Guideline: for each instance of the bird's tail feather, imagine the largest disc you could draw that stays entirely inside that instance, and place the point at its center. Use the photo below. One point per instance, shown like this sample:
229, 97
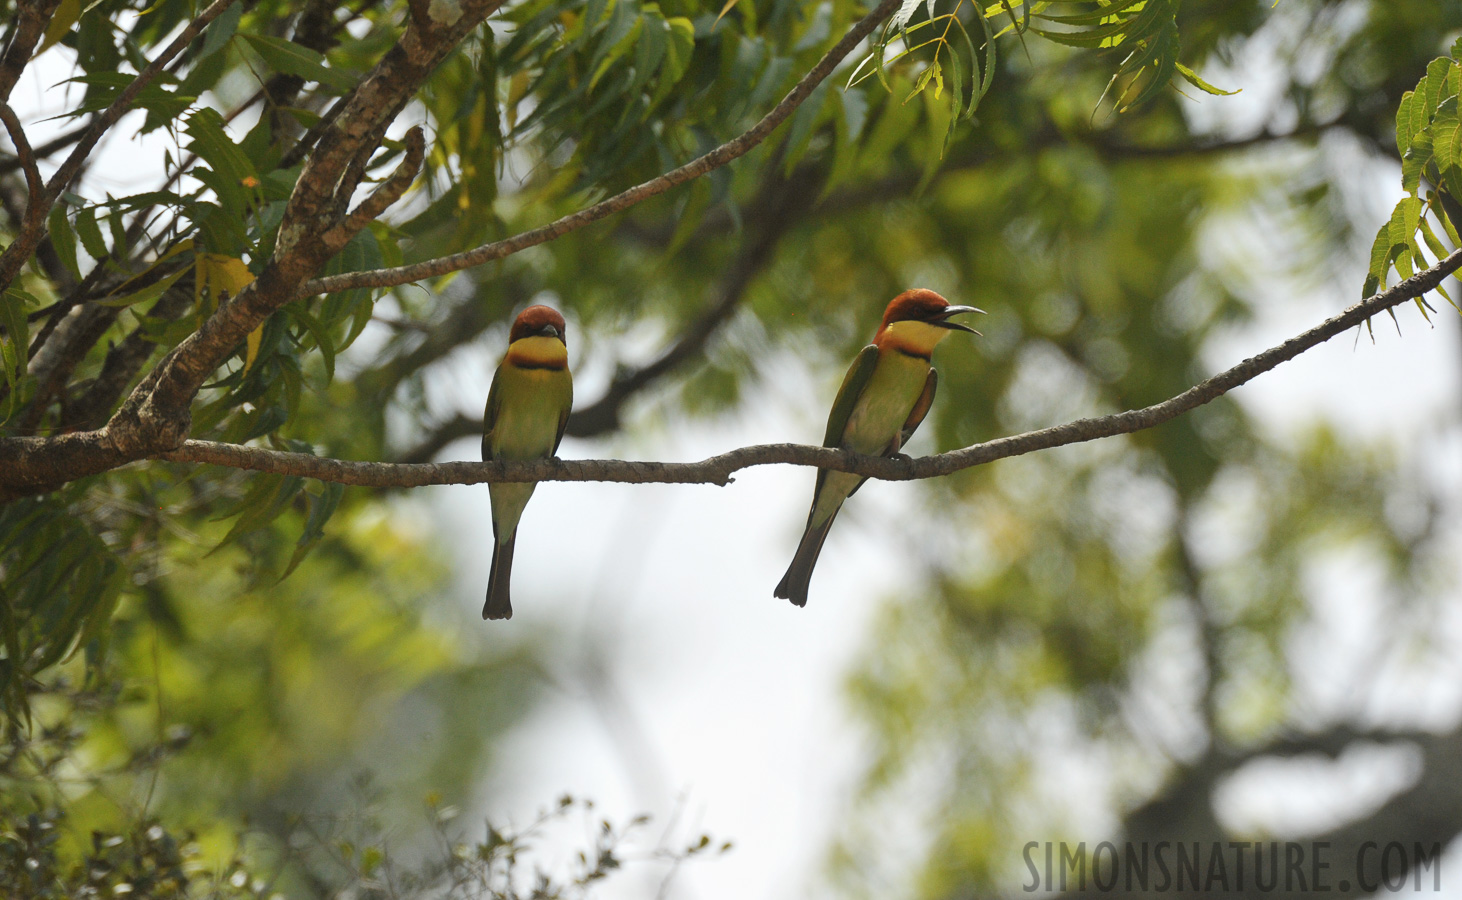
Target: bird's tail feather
499, 600
793, 585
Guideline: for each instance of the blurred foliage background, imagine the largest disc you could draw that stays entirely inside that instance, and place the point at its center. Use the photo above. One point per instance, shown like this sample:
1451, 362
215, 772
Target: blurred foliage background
1136, 602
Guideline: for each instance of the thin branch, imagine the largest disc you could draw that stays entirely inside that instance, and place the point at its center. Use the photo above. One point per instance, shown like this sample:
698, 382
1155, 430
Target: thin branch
719, 469
35, 184
603, 414
715, 159
307, 140
57, 143
31, 20
387, 192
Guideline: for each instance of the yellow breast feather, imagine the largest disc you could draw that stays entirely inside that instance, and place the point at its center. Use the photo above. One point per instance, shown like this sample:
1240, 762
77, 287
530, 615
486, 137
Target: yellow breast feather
538, 352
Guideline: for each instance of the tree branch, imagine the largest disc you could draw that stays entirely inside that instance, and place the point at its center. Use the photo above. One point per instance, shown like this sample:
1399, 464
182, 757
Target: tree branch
603, 414
719, 469
715, 159
386, 193
35, 185
59, 142
30, 23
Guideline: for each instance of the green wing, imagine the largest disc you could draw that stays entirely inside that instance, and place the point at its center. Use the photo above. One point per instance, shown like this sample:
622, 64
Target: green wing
920, 410
853, 384
489, 415
563, 417
837, 420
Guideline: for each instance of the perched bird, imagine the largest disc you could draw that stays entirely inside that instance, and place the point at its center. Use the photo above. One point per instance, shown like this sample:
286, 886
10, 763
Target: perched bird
884, 397
527, 411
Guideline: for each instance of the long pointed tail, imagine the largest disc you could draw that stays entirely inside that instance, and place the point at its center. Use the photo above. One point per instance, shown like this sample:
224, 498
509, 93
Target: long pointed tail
793, 585
499, 599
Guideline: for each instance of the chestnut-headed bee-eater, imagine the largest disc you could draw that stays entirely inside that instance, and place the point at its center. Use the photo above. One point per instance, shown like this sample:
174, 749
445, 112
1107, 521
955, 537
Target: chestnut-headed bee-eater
527, 411
884, 397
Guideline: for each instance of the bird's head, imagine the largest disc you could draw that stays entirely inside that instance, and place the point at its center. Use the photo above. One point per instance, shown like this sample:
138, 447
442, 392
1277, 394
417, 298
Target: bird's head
538, 321
917, 320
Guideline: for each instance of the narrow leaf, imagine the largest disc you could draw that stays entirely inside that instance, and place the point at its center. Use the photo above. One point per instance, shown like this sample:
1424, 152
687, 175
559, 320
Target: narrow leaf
291, 59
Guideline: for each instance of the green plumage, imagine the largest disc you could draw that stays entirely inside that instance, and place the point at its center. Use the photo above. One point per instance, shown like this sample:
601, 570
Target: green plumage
527, 411
884, 397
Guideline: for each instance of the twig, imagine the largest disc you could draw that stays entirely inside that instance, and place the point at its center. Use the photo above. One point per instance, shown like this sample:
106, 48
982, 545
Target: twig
31, 20
387, 192
43, 151
35, 184
719, 469
716, 158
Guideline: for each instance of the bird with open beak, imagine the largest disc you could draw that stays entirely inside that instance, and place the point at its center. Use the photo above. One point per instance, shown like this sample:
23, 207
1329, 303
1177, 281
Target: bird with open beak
884, 397
527, 411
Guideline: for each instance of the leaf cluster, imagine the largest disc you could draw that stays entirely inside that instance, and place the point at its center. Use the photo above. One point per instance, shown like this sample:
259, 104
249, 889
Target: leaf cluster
1429, 139
1143, 33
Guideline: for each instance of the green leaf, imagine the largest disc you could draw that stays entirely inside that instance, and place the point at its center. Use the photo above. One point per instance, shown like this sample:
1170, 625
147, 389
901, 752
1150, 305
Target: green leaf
15, 347
220, 30
1380, 263
13, 304
677, 57
90, 233
900, 19
1447, 213
151, 292
1436, 83
291, 59
987, 72
1163, 55
1446, 131
1404, 131
322, 507
267, 497
62, 19
63, 239
1096, 16
608, 53
230, 173
650, 49
1414, 161
321, 336
1192, 78
1404, 220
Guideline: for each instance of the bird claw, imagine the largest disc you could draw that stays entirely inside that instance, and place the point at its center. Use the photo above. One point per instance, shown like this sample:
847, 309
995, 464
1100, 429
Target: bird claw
903, 457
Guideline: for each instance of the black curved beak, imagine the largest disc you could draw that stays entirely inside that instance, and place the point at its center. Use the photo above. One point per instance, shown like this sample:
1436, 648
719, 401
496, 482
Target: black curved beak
943, 320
